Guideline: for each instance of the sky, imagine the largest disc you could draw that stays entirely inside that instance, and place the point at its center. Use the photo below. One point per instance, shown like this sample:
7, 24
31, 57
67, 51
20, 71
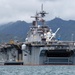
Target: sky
13, 10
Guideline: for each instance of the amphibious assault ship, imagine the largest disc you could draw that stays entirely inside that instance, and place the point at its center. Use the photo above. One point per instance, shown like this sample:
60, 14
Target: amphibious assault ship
41, 47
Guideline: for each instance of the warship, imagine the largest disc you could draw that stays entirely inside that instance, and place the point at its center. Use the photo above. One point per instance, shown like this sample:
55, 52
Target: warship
40, 47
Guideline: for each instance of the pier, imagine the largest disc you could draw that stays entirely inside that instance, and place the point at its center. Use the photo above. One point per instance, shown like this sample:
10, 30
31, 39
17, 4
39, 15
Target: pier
11, 53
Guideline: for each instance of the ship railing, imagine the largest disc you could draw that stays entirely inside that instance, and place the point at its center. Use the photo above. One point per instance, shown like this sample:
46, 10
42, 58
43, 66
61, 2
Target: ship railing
55, 48
37, 43
58, 43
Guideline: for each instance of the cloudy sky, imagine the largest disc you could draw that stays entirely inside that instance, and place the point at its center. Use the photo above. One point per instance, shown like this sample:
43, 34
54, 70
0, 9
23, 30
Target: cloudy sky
13, 10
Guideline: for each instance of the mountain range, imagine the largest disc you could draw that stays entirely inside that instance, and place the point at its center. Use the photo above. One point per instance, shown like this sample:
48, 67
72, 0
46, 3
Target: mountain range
18, 30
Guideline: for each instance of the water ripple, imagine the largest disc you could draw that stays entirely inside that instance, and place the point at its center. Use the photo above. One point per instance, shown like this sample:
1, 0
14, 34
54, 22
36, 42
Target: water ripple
37, 70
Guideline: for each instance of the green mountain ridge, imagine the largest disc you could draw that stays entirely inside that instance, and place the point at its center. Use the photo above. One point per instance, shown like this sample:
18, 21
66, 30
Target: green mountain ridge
18, 30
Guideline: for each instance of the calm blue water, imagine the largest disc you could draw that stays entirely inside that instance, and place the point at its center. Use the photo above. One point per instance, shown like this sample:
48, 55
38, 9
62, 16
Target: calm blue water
37, 70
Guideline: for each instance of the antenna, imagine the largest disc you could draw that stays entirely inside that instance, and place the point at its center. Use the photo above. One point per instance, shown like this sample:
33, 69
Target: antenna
42, 7
36, 18
42, 11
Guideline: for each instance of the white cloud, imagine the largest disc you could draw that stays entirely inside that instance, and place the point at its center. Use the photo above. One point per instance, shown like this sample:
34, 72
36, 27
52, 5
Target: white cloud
11, 10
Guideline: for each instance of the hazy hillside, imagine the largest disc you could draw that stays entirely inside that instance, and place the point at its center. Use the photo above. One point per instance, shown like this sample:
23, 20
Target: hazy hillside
19, 29
16, 30
67, 28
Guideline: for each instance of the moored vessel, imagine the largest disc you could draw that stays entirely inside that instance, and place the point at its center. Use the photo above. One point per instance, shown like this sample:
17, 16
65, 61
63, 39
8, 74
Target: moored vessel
41, 47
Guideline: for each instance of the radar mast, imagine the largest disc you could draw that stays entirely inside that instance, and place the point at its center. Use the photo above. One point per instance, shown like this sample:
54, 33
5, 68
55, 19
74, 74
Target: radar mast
42, 13
36, 19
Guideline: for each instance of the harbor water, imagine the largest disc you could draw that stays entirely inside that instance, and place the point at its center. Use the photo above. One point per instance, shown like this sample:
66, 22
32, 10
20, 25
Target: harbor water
38, 70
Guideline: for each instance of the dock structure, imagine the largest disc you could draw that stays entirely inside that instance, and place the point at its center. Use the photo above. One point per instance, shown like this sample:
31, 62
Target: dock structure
11, 53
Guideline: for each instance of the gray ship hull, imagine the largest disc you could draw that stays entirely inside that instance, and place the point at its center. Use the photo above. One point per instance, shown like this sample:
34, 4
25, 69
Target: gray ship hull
49, 54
